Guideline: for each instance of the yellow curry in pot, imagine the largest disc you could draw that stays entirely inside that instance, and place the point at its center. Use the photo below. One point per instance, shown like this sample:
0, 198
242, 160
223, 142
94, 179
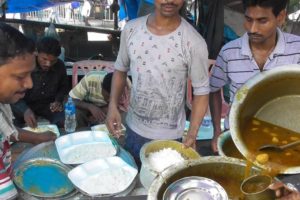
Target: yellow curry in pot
258, 133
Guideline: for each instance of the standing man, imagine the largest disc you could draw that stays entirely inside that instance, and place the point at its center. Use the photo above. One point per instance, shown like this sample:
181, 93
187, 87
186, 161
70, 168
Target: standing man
86, 11
17, 61
262, 48
50, 86
162, 51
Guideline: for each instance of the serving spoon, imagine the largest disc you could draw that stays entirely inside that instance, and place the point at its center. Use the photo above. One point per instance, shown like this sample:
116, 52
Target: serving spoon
277, 147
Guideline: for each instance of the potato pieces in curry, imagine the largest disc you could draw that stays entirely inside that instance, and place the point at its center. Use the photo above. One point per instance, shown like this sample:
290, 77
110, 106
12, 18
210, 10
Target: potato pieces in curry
262, 158
257, 133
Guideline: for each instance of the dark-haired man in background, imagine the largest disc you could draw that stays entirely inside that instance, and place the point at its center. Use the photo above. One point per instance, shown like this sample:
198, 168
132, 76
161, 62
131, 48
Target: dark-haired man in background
50, 86
262, 48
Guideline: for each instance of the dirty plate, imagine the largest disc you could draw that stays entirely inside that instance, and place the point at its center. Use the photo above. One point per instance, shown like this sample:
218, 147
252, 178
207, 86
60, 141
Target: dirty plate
42, 177
195, 187
81, 147
103, 177
102, 127
43, 128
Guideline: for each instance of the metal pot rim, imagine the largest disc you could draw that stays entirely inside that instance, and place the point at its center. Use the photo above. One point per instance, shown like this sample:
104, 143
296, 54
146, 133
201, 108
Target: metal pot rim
239, 99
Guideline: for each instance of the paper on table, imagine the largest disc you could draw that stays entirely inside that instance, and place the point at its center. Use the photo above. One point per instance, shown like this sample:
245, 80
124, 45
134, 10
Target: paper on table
43, 128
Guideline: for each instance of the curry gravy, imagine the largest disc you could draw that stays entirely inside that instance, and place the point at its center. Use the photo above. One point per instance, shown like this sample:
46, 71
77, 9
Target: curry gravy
258, 133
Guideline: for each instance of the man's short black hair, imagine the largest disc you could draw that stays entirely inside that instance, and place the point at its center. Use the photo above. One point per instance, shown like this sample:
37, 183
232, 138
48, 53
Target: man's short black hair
106, 84
276, 5
49, 45
13, 43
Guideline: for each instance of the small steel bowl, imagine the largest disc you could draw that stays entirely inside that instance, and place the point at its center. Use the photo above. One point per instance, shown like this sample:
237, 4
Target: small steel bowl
227, 147
195, 187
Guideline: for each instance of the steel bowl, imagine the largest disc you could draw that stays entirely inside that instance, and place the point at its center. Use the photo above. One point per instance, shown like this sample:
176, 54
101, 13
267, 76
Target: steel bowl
195, 187
272, 96
228, 172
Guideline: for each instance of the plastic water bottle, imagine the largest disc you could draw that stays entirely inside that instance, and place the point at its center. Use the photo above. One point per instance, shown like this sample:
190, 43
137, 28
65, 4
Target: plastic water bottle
206, 122
70, 116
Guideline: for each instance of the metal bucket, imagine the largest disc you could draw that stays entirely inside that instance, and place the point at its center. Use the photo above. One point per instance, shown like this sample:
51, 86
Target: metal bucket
272, 96
228, 172
147, 175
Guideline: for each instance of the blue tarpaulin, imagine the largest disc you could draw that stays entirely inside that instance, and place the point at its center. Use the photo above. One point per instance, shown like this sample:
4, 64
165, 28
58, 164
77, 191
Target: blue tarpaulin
21, 6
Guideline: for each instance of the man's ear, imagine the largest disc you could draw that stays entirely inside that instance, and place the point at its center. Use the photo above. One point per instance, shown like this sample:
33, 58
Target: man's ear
281, 18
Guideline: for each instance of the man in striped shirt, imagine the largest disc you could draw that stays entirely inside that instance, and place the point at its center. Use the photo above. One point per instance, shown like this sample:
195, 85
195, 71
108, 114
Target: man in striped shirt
262, 48
91, 97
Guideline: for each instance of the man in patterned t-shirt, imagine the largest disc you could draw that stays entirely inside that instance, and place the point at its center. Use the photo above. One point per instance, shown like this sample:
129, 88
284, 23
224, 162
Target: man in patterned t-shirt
161, 51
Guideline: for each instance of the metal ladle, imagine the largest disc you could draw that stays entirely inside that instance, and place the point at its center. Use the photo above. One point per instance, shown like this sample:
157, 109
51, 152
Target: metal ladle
277, 147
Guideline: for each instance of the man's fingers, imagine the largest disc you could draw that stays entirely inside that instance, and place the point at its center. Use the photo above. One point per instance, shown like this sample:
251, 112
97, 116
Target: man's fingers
30, 122
189, 143
214, 145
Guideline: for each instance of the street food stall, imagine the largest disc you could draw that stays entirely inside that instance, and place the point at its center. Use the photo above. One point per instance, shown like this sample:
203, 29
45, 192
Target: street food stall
90, 163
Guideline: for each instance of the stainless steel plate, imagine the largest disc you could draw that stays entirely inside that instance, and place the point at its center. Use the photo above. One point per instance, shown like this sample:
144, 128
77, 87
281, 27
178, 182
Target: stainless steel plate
42, 177
195, 187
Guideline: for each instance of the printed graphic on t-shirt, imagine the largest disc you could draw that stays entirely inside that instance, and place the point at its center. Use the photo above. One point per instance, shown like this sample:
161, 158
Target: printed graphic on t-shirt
157, 107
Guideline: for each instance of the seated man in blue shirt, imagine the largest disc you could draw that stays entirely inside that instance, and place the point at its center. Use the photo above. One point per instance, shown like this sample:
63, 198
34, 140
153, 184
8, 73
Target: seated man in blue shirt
50, 86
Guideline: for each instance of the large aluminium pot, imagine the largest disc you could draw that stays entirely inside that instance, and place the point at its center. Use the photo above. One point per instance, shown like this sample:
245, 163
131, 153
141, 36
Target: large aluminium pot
272, 96
228, 172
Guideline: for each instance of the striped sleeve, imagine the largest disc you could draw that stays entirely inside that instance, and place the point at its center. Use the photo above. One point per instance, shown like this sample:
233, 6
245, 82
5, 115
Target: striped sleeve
7, 188
219, 73
80, 90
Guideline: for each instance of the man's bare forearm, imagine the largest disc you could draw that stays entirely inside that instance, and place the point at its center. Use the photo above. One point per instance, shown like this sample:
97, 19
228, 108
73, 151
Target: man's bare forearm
199, 107
215, 102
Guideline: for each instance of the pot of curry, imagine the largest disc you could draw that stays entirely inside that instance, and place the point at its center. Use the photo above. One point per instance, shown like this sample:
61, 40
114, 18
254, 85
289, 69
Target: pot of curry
266, 110
228, 172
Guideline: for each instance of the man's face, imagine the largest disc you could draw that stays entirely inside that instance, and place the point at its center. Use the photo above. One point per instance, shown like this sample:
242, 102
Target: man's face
15, 78
260, 23
46, 61
168, 8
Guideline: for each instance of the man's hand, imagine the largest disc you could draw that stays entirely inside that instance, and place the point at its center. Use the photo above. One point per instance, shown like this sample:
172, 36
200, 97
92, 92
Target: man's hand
97, 113
30, 118
190, 141
113, 121
56, 106
44, 137
283, 192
